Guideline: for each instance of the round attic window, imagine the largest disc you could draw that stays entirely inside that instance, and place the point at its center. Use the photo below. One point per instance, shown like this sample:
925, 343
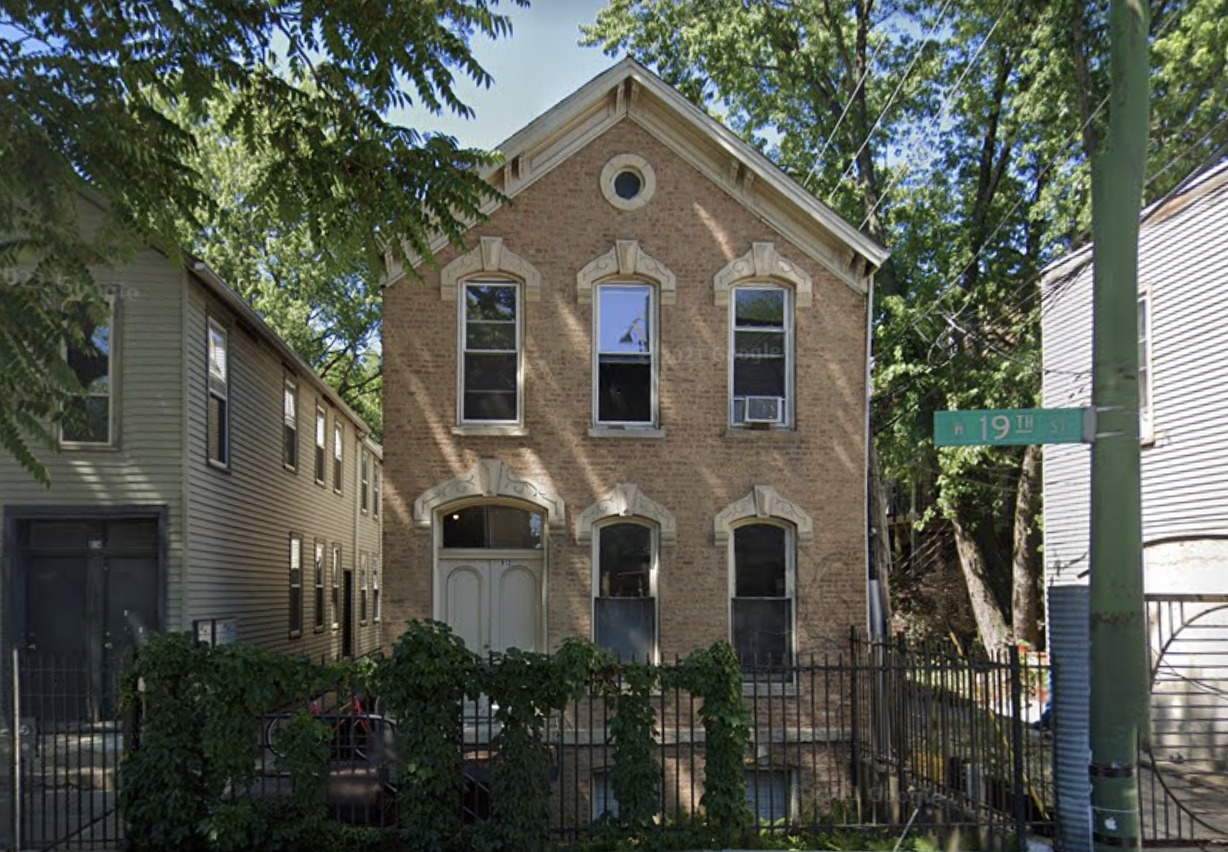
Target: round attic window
628, 182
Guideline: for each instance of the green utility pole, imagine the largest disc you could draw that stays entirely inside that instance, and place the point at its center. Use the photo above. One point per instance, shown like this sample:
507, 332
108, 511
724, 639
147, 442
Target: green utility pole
1120, 685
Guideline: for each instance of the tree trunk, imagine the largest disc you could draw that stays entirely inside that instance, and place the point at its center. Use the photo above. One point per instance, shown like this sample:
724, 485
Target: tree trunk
990, 621
1025, 562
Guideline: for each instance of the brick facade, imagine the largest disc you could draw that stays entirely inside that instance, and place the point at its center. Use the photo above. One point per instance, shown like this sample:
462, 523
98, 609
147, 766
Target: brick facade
695, 228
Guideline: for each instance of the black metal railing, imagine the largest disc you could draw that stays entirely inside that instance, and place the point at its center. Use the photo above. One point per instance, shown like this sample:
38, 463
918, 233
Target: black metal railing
878, 734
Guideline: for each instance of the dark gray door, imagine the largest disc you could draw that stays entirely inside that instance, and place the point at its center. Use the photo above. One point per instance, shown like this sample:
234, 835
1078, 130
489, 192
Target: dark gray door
91, 593
347, 617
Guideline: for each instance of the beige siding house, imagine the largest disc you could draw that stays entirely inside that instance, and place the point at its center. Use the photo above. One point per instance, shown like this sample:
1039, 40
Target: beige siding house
210, 482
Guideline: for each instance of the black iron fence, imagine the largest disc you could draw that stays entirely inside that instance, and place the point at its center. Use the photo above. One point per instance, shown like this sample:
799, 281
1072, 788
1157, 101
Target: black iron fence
914, 739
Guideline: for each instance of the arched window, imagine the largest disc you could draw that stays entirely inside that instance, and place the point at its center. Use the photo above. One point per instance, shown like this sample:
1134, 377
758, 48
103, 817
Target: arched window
762, 598
624, 590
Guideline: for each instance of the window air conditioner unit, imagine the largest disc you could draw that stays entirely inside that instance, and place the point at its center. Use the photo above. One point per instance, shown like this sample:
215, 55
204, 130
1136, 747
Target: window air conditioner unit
765, 409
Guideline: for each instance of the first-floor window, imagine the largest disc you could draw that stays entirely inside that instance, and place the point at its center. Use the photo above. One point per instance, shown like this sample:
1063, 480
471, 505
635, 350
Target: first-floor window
319, 585
296, 585
625, 376
375, 599
88, 418
336, 586
624, 611
762, 605
362, 589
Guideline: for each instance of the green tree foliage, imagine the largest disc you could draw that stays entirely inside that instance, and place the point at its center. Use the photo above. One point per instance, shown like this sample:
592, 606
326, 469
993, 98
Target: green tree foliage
104, 99
959, 134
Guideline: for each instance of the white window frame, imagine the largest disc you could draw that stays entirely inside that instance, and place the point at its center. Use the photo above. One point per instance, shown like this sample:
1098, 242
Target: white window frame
461, 350
336, 581
319, 599
790, 589
338, 455
218, 387
320, 458
377, 608
376, 488
296, 583
1146, 372
364, 562
112, 386
654, 354
364, 480
654, 571
790, 350
290, 420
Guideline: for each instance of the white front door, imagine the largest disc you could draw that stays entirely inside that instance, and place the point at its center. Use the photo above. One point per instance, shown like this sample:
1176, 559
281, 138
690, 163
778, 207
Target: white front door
493, 603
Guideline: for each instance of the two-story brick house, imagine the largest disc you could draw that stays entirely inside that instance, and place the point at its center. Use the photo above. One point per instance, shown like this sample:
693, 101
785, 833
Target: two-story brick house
633, 405
210, 481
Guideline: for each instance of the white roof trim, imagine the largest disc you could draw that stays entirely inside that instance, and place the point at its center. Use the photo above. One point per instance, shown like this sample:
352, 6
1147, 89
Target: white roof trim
629, 90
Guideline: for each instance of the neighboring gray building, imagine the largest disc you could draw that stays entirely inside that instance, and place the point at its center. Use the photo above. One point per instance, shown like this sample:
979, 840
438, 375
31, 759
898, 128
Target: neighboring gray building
1183, 421
210, 481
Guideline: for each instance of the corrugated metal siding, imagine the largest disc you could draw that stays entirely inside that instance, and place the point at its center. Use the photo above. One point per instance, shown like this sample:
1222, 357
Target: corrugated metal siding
241, 519
145, 469
1184, 259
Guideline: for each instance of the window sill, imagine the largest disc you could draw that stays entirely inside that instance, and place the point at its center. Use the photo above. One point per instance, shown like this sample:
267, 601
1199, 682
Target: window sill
510, 430
224, 467
625, 432
745, 433
88, 447
769, 690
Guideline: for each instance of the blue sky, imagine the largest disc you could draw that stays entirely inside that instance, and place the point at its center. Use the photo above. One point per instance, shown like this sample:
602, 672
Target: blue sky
534, 69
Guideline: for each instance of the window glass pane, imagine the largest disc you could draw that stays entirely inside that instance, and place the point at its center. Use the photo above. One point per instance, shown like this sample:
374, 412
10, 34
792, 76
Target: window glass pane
492, 526
217, 429
767, 794
320, 429
625, 315
759, 554
490, 302
759, 377
496, 336
490, 372
290, 405
626, 626
87, 419
89, 358
217, 355
763, 631
624, 389
604, 801
759, 306
625, 559
761, 344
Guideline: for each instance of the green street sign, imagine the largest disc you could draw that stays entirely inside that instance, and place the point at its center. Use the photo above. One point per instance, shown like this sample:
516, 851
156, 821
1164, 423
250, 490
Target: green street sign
1000, 427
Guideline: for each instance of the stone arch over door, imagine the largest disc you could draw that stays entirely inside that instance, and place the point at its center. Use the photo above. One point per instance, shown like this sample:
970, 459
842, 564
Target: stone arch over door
489, 479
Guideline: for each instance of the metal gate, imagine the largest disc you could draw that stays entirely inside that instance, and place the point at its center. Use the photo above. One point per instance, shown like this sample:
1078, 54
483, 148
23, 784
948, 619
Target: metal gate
61, 760
1183, 783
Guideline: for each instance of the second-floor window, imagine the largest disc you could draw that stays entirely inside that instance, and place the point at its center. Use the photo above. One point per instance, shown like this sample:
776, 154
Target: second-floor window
1146, 424
88, 419
289, 434
338, 452
321, 444
490, 353
762, 380
364, 480
624, 381
375, 490
219, 395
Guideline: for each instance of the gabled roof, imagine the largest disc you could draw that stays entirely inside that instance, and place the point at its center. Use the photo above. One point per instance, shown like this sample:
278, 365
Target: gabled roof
630, 91
1176, 205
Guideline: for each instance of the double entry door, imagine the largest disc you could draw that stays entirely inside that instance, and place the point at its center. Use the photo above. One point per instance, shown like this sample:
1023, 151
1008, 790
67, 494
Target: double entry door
494, 601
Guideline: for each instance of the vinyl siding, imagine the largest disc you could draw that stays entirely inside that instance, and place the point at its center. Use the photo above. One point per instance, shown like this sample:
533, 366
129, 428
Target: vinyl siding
145, 468
240, 520
1183, 257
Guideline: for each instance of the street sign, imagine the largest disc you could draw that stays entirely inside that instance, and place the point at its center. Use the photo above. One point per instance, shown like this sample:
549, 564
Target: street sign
1000, 427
